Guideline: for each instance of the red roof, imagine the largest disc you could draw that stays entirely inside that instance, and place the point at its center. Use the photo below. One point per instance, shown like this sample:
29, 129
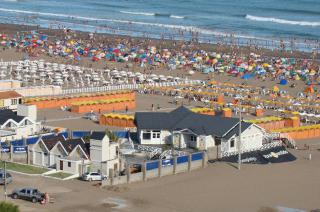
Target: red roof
9, 95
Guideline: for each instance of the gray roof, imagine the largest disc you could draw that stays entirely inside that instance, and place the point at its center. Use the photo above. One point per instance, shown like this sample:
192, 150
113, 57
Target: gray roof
97, 135
68, 144
235, 130
182, 118
9, 114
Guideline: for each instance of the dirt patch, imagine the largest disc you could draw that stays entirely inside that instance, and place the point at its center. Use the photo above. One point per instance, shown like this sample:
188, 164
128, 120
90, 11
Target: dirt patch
140, 203
267, 209
116, 188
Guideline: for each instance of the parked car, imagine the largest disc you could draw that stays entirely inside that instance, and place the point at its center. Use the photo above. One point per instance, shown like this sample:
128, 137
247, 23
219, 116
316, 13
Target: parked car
31, 194
8, 180
93, 176
91, 116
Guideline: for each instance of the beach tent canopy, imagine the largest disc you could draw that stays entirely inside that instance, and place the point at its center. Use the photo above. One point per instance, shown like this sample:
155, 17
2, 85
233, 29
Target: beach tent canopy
283, 82
309, 89
246, 76
275, 89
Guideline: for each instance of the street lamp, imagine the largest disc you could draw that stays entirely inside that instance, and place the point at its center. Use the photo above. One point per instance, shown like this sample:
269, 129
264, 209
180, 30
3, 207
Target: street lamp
239, 143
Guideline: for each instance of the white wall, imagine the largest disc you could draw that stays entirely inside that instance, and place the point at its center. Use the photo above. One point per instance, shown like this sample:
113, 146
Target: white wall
164, 137
74, 166
29, 111
103, 155
251, 139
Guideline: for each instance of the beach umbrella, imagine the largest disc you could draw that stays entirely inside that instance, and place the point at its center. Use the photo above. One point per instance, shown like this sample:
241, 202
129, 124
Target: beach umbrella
283, 82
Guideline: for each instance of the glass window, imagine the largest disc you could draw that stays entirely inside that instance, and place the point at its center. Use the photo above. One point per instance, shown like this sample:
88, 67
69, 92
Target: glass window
69, 164
193, 138
217, 141
232, 143
146, 135
23, 191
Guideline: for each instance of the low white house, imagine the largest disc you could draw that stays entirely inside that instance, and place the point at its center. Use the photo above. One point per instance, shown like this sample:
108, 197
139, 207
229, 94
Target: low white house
104, 154
13, 126
67, 155
184, 128
10, 100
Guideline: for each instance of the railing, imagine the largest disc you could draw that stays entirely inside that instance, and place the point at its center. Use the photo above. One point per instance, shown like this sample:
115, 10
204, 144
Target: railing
126, 87
264, 147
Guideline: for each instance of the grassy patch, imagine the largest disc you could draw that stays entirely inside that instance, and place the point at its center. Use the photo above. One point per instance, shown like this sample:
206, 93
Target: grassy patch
23, 168
60, 175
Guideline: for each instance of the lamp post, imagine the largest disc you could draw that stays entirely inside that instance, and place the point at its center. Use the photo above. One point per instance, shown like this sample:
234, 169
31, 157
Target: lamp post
239, 142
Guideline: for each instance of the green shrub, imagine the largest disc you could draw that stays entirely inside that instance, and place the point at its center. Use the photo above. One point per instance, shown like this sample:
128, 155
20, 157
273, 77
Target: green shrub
8, 207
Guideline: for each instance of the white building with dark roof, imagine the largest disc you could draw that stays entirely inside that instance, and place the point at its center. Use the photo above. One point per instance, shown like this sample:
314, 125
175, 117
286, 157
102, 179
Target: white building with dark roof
67, 155
104, 154
184, 129
13, 126
75, 155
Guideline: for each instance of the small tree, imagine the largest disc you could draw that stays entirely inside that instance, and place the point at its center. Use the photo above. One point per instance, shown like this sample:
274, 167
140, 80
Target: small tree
8, 207
112, 136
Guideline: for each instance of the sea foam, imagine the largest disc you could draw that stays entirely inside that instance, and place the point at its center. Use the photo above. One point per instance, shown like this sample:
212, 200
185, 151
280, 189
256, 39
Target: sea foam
282, 21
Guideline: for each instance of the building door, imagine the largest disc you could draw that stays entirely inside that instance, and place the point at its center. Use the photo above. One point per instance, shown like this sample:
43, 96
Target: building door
61, 165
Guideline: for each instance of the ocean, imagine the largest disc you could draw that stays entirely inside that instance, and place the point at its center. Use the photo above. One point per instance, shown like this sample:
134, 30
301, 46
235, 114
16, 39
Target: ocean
207, 20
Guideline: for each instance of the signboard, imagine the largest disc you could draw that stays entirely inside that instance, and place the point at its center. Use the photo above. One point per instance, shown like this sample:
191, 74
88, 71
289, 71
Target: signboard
5, 149
19, 149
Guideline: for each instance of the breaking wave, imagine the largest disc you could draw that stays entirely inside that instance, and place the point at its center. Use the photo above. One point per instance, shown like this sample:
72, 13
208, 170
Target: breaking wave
152, 14
282, 21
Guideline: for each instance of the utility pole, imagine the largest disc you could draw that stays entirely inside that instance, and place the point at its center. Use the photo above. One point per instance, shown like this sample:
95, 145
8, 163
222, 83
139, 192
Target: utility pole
239, 142
5, 180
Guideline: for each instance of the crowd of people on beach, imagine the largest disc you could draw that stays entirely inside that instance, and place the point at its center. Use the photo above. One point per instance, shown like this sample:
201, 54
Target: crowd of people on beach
253, 65
248, 98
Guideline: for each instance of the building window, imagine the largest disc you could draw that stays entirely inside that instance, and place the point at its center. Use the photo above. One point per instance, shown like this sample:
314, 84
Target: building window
156, 134
69, 164
146, 135
193, 138
232, 143
14, 101
217, 141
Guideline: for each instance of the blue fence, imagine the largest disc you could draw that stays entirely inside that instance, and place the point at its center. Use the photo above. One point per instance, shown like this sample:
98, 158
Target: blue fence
122, 134
152, 165
4, 148
17, 143
197, 156
169, 162
182, 159
80, 134
32, 140
64, 134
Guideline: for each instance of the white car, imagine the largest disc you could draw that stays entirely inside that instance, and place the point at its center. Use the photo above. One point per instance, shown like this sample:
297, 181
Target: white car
93, 176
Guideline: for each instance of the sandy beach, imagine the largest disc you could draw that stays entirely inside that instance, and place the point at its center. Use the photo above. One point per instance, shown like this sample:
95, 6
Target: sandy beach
12, 55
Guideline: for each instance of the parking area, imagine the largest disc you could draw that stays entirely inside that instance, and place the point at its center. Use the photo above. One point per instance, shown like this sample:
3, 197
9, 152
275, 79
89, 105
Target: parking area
219, 187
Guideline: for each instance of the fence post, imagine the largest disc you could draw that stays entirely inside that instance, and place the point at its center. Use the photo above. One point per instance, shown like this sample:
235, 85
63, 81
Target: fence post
111, 176
159, 167
128, 173
204, 159
189, 162
174, 164
11, 153
28, 155
144, 171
